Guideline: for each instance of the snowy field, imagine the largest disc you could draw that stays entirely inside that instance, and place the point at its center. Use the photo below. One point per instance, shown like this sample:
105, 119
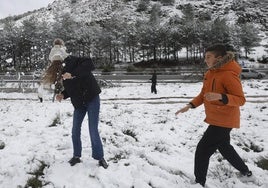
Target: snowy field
145, 144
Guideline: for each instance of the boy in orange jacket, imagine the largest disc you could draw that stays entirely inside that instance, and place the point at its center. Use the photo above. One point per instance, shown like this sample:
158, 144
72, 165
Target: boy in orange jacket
222, 96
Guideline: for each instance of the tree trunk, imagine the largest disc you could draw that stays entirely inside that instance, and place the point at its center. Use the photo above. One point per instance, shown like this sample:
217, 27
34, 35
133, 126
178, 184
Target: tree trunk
154, 51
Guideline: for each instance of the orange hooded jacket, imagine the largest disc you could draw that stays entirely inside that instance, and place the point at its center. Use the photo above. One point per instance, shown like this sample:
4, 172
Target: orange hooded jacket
223, 79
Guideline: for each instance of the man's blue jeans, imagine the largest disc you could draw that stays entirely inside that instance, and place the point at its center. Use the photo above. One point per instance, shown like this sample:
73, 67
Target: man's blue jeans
92, 108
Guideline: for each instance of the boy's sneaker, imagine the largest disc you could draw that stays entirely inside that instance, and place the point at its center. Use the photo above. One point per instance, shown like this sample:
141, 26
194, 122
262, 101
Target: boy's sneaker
201, 184
248, 177
73, 161
248, 173
103, 163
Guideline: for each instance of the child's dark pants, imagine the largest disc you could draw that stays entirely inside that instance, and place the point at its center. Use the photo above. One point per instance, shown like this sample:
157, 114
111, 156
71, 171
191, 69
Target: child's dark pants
215, 138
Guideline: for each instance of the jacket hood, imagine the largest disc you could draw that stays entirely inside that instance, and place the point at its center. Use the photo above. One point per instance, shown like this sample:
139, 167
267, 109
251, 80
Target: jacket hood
58, 53
228, 63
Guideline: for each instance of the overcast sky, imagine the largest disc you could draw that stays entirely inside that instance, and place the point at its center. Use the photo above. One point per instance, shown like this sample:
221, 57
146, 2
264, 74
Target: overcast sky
15, 7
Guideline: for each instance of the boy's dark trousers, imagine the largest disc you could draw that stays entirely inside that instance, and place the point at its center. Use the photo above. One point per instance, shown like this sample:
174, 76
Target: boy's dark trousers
215, 138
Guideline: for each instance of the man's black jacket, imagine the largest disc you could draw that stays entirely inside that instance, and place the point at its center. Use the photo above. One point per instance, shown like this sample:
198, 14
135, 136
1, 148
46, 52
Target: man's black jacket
83, 87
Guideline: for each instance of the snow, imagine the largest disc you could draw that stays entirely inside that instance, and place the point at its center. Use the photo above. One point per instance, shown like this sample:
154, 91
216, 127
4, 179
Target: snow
159, 152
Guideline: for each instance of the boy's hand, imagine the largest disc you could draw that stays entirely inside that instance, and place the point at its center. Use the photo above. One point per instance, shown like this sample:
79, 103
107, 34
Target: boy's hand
210, 96
184, 109
59, 97
67, 75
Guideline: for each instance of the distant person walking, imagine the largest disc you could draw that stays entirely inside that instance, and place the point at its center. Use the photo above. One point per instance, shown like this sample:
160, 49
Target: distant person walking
81, 86
154, 82
222, 95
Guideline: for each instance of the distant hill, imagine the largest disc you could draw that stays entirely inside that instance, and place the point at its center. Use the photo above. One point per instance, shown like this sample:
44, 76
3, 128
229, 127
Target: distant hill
89, 12
254, 11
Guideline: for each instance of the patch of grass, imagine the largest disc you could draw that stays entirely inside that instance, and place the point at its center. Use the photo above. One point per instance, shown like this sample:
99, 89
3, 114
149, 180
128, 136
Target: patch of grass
255, 148
40, 170
119, 156
263, 163
35, 182
263, 108
69, 114
160, 148
130, 133
151, 184
56, 121
27, 120
246, 149
126, 164
109, 123
251, 147
2, 144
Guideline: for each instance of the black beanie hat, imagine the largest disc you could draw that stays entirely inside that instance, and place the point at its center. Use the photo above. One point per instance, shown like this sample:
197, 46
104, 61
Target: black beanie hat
217, 49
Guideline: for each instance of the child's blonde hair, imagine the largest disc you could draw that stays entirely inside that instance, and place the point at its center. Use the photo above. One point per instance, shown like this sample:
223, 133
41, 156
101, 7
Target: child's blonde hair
53, 72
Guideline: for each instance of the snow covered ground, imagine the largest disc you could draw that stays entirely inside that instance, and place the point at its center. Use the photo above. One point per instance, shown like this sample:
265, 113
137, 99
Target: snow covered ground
145, 144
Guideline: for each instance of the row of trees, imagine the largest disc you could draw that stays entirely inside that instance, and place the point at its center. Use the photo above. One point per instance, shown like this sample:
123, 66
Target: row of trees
116, 40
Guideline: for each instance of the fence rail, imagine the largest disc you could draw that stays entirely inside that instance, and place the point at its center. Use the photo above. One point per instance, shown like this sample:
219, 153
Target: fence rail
24, 83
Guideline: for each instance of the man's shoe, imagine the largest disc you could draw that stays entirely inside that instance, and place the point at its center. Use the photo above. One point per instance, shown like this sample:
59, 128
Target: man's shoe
103, 163
74, 160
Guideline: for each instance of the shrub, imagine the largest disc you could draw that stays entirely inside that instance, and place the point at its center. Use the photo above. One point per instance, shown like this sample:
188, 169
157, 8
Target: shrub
107, 68
167, 2
131, 68
263, 60
143, 5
